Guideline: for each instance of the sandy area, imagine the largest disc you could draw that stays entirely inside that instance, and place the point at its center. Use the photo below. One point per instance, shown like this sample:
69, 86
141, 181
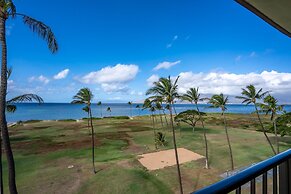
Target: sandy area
162, 159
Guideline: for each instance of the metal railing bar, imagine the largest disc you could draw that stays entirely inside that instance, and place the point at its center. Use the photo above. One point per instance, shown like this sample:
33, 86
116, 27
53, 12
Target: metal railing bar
253, 186
265, 183
231, 183
275, 180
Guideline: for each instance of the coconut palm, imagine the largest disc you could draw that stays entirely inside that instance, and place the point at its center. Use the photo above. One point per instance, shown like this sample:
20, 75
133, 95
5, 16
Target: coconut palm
130, 104
11, 107
85, 96
167, 90
193, 96
8, 11
159, 107
148, 105
250, 95
109, 110
270, 106
86, 109
100, 104
220, 101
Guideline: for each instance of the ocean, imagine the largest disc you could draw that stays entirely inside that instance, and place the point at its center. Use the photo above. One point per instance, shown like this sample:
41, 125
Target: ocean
57, 111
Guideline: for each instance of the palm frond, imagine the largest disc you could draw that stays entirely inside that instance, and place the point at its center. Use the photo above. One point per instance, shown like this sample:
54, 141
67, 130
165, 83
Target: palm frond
9, 72
9, 8
26, 98
11, 108
42, 30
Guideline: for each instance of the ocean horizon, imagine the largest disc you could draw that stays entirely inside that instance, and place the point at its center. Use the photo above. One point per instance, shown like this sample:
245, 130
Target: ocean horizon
58, 111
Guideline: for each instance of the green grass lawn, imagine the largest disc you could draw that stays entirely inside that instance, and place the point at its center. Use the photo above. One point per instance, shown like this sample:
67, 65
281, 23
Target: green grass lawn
44, 150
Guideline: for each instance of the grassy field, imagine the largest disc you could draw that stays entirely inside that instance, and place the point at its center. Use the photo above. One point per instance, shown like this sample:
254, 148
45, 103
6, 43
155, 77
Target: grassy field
44, 151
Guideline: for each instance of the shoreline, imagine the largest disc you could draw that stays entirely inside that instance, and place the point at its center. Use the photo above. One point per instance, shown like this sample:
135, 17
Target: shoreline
12, 123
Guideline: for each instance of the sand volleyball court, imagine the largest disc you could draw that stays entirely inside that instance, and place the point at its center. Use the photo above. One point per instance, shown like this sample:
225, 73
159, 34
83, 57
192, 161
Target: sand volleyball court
162, 159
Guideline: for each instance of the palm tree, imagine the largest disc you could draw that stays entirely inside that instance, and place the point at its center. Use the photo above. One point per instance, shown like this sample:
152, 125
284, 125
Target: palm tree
159, 107
220, 101
8, 11
270, 106
167, 90
250, 95
86, 109
85, 96
130, 104
100, 104
11, 107
148, 105
193, 96
109, 110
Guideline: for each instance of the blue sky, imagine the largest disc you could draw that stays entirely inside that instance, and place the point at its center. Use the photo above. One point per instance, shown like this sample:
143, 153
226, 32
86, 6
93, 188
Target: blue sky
114, 47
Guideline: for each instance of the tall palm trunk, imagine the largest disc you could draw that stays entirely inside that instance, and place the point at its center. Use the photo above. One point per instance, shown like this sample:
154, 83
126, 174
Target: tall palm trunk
176, 152
264, 130
1, 173
88, 124
205, 138
161, 118
93, 141
154, 129
165, 118
228, 141
276, 134
101, 110
3, 122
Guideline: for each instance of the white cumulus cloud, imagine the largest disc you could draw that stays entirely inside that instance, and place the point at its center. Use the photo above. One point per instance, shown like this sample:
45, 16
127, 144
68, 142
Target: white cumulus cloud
152, 79
166, 65
40, 78
112, 79
231, 83
61, 75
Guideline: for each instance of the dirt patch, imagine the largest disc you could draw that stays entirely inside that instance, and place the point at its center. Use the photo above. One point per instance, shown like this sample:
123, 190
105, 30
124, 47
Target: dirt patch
45, 146
162, 159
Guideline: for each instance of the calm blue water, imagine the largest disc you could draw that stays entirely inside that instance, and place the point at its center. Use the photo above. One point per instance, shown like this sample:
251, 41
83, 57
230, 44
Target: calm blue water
55, 111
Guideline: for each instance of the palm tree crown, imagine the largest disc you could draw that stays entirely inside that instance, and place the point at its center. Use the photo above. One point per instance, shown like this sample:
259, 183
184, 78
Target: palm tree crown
250, 94
218, 101
165, 89
270, 106
84, 96
192, 95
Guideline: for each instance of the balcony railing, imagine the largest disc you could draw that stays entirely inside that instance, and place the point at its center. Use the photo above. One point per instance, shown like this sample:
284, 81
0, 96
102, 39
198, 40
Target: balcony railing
279, 165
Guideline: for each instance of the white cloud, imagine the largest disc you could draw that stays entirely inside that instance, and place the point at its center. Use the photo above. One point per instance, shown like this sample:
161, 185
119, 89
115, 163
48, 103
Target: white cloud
166, 65
231, 83
152, 79
63, 74
116, 87
40, 78
172, 42
112, 79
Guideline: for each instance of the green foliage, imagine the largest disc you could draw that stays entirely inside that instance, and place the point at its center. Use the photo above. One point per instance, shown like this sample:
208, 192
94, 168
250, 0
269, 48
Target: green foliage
67, 120
189, 116
250, 94
283, 125
160, 139
270, 106
117, 117
218, 101
32, 121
